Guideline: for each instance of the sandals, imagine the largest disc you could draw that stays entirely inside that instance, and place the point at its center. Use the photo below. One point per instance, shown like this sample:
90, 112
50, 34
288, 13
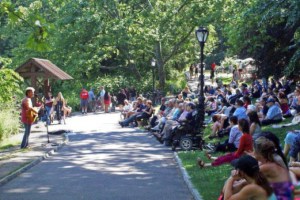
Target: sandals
207, 155
200, 163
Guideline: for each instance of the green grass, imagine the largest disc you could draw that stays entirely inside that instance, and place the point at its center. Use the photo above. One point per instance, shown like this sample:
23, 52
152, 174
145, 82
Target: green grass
225, 80
210, 181
9, 143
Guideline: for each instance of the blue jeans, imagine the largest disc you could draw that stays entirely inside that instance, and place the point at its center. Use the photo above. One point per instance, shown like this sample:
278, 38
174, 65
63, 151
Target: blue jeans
48, 109
129, 120
25, 140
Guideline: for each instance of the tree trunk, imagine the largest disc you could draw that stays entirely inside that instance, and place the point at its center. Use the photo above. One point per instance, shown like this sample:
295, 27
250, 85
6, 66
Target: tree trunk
160, 65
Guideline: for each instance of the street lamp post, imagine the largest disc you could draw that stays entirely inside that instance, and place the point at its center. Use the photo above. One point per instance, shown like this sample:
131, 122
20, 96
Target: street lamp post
201, 34
153, 63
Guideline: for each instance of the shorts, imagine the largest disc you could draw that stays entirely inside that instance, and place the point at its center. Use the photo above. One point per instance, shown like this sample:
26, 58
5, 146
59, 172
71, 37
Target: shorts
290, 138
84, 102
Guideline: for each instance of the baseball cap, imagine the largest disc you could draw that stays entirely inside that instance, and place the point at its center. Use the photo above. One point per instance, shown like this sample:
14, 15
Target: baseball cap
247, 164
271, 100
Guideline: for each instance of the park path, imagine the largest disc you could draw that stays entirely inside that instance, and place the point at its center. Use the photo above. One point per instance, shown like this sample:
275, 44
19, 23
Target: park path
102, 161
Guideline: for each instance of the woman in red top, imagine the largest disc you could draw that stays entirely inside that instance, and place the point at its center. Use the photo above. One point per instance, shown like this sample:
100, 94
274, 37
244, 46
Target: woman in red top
107, 101
246, 145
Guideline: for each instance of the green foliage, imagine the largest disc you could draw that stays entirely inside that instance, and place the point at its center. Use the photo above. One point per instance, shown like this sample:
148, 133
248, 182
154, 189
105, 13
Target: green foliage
10, 82
229, 61
9, 120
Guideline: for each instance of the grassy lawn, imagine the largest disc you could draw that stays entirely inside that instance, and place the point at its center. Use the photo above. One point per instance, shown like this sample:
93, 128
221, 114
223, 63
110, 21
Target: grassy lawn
8, 143
209, 181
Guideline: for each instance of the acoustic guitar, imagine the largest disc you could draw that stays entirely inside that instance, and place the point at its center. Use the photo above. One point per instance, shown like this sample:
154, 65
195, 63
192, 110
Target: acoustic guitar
32, 116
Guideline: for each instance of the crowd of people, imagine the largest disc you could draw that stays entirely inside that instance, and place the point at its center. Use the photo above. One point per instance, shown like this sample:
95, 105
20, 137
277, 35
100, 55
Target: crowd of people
104, 100
237, 111
262, 169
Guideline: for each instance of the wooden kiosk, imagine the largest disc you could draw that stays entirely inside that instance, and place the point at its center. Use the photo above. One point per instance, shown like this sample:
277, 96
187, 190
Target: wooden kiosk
37, 73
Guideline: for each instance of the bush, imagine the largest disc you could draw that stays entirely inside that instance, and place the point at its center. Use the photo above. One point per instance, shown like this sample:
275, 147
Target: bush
9, 121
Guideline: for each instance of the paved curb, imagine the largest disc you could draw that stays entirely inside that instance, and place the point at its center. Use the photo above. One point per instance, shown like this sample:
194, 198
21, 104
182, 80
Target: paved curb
187, 179
16, 173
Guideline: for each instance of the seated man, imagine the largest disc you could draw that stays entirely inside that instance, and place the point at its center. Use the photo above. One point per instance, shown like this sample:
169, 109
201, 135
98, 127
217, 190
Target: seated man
169, 111
235, 135
274, 114
240, 111
139, 109
171, 121
160, 113
126, 109
188, 120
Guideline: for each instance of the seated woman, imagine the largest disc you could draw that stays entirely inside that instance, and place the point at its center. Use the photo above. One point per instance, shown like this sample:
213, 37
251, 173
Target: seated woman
252, 183
217, 126
283, 101
146, 114
170, 123
273, 166
212, 107
255, 125
58, 106
245, 146
185, 92
67, 109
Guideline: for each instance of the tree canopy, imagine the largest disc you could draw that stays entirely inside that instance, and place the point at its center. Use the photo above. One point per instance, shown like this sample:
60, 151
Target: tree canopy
92, 39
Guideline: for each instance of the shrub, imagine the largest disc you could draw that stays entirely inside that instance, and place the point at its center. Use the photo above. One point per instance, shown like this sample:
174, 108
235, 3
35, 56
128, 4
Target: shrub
9, 121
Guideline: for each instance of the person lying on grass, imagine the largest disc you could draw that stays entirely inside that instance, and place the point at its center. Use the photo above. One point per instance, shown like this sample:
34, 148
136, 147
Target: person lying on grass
252, 184
245, 146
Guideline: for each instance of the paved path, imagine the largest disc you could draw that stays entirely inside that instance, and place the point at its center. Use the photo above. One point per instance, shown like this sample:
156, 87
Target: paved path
102, 161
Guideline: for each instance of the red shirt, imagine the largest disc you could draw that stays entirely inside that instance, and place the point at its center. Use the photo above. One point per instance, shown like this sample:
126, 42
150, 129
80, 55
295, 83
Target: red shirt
213, 66
246, 144
84, 94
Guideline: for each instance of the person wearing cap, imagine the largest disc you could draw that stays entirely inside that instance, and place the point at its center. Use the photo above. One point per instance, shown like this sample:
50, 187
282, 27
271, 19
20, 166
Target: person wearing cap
255, 184
27, 109
274, 114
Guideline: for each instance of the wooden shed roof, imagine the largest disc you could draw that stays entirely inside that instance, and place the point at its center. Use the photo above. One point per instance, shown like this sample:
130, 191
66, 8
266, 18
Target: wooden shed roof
43, 68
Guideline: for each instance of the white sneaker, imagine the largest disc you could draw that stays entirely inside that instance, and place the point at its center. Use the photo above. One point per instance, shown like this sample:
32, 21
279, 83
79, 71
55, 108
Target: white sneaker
155, 128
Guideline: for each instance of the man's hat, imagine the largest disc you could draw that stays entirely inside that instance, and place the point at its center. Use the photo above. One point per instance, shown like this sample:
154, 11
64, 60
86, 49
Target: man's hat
271, 100
247, 164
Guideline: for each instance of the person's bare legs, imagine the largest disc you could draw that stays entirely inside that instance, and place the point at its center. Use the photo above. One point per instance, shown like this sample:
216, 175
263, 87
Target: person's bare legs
286, 149
202, 164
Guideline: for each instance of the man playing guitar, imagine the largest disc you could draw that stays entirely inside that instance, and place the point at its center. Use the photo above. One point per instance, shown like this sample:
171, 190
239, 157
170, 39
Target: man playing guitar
28, 115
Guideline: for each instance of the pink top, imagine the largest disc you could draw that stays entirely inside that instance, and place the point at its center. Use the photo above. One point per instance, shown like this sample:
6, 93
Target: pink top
26, 104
